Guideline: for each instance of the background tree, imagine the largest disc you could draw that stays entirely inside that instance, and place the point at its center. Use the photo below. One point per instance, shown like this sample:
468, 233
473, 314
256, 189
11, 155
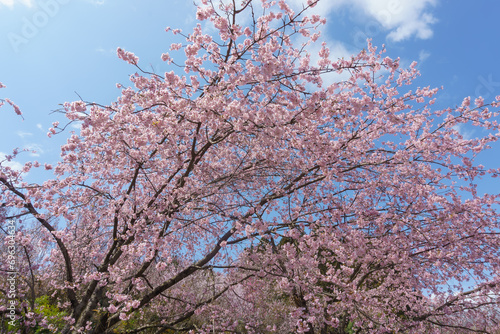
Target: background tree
360, 194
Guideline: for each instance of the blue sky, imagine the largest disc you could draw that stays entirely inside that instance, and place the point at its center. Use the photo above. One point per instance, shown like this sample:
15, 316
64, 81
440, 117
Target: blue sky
52, 51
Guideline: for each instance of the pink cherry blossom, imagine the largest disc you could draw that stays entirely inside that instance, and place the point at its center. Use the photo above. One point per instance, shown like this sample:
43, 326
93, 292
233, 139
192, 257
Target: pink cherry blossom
16, 108
242, 193
129, 57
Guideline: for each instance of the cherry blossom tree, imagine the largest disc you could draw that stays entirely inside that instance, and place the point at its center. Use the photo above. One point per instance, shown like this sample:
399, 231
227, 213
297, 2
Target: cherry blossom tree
245, 195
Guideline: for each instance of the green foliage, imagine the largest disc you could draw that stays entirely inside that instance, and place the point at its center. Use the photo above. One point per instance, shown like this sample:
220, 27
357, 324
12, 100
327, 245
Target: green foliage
46, 308
10, 328
126, 326
349, 328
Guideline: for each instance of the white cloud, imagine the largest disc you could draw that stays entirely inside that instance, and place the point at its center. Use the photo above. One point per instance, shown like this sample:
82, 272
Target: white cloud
30, 3
423, 55
11, 3
402, 19
338, 50
23, 134
105, 51
12, 164
466, 134
76, 125
34, 149
322, 7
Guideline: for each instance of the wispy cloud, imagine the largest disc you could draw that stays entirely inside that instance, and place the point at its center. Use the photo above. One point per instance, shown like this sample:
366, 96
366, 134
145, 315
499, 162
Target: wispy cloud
77, 125
402, 19
466, 133
23, 134
11, 3
31, 3
106, 51
34, 149
423, 55
97, 2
